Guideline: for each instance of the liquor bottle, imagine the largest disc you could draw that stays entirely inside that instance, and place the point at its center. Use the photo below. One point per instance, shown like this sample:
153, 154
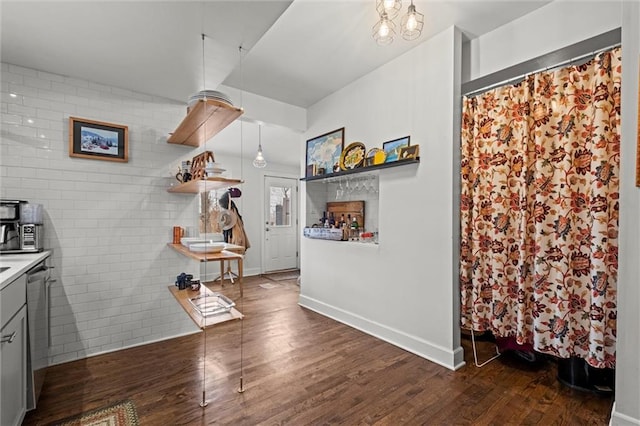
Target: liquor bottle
354, 223
342, 220
347, 224
332, 221
323, 219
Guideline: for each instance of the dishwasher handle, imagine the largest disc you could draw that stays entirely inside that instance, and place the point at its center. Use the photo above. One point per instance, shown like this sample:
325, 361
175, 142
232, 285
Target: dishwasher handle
37, 274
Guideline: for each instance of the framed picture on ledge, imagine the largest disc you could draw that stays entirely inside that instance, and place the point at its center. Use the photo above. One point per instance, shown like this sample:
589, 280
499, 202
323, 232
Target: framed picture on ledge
409, 152
97, 140
392, 148
323, 152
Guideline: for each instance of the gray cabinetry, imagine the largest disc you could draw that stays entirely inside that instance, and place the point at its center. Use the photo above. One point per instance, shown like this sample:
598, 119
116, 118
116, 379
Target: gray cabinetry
13, 352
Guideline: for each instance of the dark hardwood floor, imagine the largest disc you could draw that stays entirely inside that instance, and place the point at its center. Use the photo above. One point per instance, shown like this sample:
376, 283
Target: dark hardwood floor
301, 368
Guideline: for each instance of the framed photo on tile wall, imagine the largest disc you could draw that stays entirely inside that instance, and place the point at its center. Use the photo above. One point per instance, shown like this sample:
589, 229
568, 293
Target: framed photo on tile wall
97, 140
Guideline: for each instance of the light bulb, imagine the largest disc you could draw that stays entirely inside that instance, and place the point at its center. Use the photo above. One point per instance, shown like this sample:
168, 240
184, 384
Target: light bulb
259, 162
384, 30
412, 23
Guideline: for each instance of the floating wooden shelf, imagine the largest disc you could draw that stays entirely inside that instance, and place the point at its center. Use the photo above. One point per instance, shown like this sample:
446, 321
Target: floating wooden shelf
231, 253
183, 296
363, 169
203, 185
203, 121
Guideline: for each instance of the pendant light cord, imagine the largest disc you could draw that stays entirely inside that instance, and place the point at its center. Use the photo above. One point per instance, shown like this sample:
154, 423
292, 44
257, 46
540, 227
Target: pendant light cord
204, 84
241, 107
241, 388
203, 402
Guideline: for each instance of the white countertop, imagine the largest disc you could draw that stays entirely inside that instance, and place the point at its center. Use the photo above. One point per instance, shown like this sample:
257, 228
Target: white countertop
18, 264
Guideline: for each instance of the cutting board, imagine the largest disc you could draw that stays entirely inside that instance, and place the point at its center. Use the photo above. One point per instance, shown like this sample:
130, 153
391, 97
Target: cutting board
353, 208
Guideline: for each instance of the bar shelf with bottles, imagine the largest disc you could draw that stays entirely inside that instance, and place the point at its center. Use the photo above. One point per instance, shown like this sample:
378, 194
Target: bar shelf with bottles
341, 221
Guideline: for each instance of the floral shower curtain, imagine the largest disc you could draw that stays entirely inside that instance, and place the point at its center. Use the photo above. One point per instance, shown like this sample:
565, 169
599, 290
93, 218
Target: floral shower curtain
539, 210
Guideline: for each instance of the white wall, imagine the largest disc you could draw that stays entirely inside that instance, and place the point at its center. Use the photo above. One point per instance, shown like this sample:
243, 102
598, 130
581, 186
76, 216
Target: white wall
627, 406
548, 29
108, 223
402, 289
544, 30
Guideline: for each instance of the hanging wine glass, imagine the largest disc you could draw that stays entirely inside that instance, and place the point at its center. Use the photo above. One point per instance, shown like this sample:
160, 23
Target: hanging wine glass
340, 190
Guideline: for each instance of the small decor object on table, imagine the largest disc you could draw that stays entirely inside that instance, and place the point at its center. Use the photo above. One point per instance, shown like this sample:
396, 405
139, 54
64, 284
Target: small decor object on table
353, 156
324, 151
98, 140
392, 148
409, 152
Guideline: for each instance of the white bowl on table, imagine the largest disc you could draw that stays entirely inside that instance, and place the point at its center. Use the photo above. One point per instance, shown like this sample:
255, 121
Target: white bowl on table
209, 247
187, 241
216, 237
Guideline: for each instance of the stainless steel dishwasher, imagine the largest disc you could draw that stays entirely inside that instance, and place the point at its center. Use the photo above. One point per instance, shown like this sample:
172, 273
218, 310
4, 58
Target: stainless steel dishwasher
38, 281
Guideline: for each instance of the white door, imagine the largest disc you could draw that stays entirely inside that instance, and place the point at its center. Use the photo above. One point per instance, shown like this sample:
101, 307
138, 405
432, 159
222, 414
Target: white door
281, 219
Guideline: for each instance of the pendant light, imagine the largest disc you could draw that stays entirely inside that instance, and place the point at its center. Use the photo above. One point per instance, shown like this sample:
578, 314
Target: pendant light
259, 162
384, 30
412, 23
390, 7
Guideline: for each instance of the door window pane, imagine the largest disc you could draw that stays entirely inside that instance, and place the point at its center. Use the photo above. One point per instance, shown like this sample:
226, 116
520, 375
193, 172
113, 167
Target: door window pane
280, 206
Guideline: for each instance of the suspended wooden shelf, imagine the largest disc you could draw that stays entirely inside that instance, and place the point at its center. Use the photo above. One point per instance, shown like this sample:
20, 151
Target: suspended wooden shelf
183, 296
203, 185
204, 120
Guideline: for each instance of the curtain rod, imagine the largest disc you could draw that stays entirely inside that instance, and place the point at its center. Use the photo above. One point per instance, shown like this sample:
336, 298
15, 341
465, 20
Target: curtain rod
556, 58
521, 77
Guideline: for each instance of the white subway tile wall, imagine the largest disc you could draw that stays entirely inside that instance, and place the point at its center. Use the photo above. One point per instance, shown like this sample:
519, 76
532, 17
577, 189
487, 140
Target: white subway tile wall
107, 223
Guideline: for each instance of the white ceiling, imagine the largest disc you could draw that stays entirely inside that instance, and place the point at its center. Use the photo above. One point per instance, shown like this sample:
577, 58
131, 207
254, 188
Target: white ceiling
296, 52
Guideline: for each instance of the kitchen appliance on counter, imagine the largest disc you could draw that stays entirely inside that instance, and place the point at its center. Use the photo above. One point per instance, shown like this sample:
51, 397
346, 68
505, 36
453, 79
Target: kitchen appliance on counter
21, 229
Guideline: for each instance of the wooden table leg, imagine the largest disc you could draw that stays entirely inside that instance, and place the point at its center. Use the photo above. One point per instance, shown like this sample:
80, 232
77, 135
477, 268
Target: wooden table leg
221, 273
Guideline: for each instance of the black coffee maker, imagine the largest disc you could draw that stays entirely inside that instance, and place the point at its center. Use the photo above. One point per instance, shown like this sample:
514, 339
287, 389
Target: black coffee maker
10, 225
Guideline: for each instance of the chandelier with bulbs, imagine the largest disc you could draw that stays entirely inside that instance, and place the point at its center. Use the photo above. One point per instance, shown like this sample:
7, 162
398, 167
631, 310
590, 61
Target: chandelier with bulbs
385, 29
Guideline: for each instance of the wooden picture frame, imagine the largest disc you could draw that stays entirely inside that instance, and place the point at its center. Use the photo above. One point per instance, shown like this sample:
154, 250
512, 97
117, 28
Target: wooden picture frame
392, 148
409, 152
98, 140
323, 152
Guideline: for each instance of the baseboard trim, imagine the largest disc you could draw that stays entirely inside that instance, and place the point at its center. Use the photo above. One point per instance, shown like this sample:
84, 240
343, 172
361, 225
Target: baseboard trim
619, 419
451, 359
